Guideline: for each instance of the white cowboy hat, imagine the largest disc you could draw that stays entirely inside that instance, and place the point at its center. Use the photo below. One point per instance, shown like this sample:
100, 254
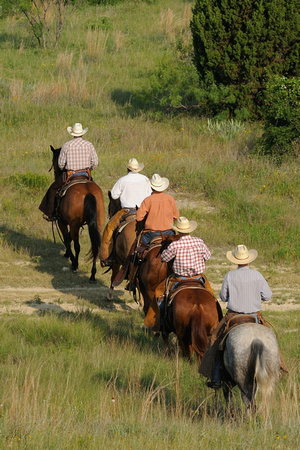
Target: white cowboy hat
134, 166
158, 183
183, 225
77, 130
241, 255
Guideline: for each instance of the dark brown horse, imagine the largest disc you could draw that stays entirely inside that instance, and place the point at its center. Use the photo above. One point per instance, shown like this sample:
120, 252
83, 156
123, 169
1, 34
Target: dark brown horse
193, 313
124, 237
82, 203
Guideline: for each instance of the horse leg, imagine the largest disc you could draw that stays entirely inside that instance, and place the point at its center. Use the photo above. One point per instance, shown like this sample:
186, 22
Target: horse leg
66, 239
77, 251
165, 337
115, 270
227, 391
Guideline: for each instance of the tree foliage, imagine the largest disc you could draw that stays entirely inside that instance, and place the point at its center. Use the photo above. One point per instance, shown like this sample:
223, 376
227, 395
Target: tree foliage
46, 17
239, 45
281, 112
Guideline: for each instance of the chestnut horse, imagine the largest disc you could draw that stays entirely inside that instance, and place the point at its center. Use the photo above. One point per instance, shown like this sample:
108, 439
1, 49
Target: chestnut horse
191, 308
124, 237
82, 203
192, 314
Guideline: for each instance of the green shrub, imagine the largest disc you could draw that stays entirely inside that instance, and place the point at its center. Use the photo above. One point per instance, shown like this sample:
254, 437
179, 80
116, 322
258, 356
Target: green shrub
29, 180
238, 46
281, 112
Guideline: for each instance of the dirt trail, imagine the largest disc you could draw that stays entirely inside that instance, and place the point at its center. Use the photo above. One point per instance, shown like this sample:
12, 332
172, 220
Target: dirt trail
39, 299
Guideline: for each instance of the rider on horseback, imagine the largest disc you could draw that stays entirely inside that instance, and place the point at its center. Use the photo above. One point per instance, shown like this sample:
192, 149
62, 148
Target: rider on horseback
189, 255
159, 209
77, 157
243, 289
131, 190
154, 217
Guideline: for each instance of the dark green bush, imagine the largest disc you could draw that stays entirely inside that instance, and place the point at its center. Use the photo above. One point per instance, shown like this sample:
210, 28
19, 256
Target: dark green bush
281, 113
238, 46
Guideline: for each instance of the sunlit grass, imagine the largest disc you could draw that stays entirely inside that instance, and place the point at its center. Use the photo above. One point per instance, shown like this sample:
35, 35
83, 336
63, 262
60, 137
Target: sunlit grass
71, 380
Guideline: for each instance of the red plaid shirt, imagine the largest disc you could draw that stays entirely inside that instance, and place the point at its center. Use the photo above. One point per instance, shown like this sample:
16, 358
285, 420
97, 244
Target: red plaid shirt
77, 154
190, 254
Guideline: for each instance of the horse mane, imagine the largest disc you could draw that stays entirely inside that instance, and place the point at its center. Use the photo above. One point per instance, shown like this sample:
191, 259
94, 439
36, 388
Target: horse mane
57, 170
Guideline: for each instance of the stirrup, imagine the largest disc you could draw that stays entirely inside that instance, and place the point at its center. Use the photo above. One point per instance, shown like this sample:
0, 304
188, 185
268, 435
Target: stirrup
49, 219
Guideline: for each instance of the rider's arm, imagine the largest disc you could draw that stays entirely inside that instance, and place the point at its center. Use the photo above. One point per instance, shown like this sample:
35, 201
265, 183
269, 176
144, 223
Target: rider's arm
169, 253
265, 291
224, 294
62, 159
116, 190
94, 159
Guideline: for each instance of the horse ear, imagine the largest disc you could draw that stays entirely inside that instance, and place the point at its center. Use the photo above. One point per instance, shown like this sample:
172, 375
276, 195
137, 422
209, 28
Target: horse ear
109, 195
52, 148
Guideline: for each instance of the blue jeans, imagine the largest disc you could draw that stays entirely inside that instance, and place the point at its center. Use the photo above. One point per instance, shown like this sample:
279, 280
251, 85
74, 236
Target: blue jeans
147, 237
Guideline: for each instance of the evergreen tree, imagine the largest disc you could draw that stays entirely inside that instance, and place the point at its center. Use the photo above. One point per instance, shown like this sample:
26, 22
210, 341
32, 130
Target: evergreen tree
239, 45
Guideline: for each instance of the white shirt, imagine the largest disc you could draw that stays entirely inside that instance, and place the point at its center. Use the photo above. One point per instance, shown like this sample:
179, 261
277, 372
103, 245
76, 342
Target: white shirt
131, 189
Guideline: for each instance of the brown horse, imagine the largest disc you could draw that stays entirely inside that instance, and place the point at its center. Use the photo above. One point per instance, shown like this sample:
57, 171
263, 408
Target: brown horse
193, 313
82, 203
124, 237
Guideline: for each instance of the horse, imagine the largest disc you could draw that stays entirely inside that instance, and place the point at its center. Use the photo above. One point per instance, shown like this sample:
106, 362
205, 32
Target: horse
192, 314
124, 236
82, 203
251, 361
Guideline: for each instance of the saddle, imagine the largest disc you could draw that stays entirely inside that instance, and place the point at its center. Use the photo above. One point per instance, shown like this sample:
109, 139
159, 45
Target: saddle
166, 288
115, 225
77, 174
78, 179
237, 320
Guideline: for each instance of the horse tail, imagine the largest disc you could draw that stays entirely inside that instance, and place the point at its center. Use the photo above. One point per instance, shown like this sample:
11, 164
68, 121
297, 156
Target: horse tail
263, 376
90, 217
198, 331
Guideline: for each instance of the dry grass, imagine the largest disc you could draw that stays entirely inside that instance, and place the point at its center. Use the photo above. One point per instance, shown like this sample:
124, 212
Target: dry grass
96, 42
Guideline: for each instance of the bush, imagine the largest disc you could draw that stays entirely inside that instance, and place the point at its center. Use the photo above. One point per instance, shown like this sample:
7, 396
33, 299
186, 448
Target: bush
238, 46
281, 112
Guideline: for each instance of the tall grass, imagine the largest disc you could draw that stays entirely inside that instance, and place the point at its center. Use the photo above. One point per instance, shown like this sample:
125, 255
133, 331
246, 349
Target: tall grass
85, 380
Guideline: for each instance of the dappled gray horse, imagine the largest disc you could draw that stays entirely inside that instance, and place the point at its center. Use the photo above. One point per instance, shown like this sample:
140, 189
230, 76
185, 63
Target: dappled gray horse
251, 360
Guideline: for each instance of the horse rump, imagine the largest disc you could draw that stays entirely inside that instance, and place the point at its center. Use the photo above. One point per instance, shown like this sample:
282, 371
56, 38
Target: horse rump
251, 358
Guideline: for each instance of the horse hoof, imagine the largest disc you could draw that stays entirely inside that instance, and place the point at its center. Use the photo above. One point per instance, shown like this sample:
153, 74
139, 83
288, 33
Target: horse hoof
74, 270
92, 280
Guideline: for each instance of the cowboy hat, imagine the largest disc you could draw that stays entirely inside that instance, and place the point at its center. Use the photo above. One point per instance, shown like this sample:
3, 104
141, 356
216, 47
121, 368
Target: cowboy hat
158, 183
77, 130
183, 225
241, 255
134, 166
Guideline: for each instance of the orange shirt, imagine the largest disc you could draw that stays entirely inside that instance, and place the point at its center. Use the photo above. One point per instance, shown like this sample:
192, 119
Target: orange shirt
161, 209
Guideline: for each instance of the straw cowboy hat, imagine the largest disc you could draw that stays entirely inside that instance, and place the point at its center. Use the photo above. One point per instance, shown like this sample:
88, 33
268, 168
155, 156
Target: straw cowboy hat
77, 130
241, 255
134, 166
183, 225
158, 183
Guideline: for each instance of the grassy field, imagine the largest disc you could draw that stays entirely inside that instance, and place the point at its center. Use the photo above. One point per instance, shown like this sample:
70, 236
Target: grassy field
66, 352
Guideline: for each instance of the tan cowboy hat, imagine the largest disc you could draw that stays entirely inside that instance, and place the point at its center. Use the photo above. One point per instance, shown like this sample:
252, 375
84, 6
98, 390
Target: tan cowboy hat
134, 166
183, 225
77, 130
241, 255
158, 183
